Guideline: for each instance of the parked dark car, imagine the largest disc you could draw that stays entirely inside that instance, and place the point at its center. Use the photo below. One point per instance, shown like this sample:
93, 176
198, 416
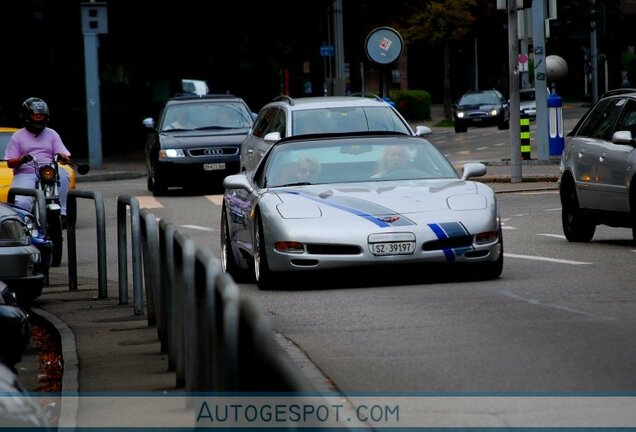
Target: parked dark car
598, 182
14, 328
196, 141
18, 257
481, 108
39, 239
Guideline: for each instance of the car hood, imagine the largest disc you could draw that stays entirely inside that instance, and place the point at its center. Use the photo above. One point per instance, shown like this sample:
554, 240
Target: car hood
199, 138
477, 107
383, 199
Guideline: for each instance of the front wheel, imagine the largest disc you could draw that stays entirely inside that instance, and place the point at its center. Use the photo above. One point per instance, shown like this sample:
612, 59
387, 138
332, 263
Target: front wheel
576, 227
54, 233
228, 261
264, 276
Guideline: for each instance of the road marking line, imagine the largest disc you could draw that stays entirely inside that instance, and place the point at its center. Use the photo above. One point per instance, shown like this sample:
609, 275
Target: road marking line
482, 148
554, 306
538, 258
559, 236
198, 227
148, 201
508, 227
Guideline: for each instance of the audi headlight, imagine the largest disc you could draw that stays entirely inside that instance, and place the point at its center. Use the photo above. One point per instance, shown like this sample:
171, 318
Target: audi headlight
494, 112
171, 153
460, 114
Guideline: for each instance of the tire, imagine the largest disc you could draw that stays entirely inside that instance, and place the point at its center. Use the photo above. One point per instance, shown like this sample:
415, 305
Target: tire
460, 128
228, 261
54, 232
159, 186
150, 184
262, 273
576, 227
493, 270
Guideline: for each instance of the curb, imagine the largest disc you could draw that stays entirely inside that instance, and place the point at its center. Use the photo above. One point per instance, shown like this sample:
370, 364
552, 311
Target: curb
70, 382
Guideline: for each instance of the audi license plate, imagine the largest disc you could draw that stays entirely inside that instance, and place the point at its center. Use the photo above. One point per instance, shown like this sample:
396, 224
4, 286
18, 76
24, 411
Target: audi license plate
393, 248
214, 166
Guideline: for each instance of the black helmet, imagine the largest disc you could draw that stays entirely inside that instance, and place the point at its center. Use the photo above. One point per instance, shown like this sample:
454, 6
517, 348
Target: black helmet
35, 114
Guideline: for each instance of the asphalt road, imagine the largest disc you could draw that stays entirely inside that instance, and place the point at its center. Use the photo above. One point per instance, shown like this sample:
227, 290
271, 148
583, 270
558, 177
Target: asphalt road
560, 318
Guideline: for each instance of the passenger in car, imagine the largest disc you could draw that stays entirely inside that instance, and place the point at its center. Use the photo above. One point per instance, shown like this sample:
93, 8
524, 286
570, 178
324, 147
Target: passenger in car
394, 157
177, 119
307, 169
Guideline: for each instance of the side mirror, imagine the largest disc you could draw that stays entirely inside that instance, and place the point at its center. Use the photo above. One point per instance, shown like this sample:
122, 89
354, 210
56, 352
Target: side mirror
623, 137
473, 169
272, 137
149, 122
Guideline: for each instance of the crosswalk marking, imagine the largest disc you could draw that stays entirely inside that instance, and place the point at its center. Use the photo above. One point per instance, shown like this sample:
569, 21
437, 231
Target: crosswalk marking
148, 201
215, 199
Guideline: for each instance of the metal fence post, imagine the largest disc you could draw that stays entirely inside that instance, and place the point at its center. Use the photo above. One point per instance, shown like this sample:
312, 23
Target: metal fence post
135, 231
150, 253
100, 220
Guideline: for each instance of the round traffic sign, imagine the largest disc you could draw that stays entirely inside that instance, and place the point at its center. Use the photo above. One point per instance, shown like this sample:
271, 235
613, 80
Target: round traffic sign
384, 45
523, 58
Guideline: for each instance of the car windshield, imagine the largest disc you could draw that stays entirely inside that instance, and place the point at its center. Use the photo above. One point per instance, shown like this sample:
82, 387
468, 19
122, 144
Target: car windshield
479, 98
526, 96
356, 159
349, 119
200, 116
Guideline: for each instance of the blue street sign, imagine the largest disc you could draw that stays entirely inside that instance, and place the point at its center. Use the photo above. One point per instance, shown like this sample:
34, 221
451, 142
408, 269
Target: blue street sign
327, 51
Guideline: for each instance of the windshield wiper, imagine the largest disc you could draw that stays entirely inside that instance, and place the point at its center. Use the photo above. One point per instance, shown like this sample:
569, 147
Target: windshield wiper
305, 183
214, 127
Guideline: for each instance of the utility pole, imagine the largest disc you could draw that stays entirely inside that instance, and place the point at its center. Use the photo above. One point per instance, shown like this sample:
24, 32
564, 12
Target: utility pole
94, 22
594, 55
540, 82
339, 81
515, 128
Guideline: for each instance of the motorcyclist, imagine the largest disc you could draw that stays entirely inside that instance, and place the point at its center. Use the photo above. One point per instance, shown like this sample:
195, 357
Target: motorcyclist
36, 140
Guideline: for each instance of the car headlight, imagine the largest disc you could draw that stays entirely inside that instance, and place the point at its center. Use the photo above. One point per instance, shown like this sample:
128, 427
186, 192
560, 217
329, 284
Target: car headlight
460, 114
494, 112
32, 226
171, 153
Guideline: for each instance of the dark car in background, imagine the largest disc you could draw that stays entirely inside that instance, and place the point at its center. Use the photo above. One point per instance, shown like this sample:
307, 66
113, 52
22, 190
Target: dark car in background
481, 108
598, 182
196, 141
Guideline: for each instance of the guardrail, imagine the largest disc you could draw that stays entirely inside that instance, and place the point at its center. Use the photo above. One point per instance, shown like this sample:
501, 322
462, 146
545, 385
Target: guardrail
215, 340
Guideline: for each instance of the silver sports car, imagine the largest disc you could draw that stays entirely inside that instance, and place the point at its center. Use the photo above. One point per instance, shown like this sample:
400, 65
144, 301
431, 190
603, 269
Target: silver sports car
360, 199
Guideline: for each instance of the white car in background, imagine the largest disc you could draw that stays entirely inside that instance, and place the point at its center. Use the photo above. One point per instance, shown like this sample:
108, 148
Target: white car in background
286, 116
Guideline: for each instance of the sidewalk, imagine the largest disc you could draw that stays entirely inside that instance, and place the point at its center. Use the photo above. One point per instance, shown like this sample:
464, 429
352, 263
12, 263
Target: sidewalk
106, 348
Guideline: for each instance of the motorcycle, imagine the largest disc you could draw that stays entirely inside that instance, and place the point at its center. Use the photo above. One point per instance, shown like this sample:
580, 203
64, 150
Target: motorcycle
48, 181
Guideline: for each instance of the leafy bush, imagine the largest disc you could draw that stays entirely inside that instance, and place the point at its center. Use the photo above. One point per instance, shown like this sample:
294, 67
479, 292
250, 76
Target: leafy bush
412, 104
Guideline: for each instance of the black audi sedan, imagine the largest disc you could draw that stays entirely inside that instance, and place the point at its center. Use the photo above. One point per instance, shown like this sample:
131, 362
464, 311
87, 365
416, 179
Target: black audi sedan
481, 108
196, 141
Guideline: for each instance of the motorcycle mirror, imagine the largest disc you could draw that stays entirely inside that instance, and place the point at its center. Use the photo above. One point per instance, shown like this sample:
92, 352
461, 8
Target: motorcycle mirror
83, 169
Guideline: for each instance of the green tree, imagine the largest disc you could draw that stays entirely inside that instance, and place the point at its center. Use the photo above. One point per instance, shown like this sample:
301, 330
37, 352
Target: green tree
439, 22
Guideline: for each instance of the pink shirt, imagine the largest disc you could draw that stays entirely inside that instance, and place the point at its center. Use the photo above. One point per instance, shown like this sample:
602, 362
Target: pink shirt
42, 147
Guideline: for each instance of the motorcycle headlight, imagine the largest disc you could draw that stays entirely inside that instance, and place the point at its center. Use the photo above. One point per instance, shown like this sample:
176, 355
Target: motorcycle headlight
47, 173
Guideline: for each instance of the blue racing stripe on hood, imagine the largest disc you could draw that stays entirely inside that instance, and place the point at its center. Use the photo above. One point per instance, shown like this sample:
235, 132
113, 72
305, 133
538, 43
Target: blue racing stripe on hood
363, 214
